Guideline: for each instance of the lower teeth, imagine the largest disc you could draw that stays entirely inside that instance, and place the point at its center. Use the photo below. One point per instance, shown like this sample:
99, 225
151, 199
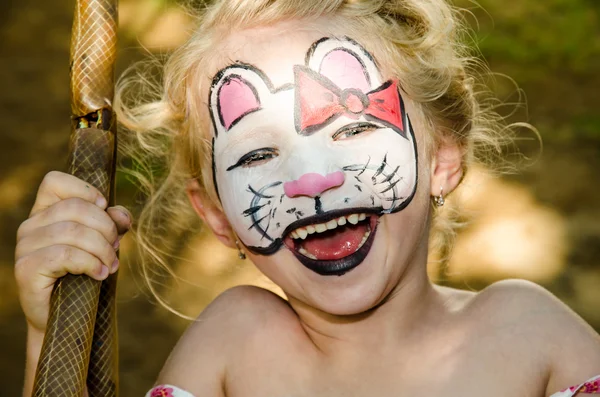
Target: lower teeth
306, 253
364, 239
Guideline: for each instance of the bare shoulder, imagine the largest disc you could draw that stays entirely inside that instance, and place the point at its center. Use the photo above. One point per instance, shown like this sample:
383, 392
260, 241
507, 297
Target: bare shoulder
529, 303
568, 345
199, 360
505, 302
514, 296
533, 307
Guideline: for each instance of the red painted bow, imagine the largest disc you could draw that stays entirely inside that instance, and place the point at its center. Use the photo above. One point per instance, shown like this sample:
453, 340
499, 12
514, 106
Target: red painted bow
319, 101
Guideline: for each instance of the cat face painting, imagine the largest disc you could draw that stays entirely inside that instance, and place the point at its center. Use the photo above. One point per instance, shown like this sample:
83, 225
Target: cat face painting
311, 165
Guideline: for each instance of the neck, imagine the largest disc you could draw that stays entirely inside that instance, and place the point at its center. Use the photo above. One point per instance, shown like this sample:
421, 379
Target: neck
401, 314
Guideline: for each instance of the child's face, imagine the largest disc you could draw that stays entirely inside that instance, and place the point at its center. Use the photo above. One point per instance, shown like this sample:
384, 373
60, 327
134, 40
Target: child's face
315, 159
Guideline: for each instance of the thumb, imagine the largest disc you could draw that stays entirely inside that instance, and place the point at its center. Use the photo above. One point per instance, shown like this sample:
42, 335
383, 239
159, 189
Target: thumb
122, 218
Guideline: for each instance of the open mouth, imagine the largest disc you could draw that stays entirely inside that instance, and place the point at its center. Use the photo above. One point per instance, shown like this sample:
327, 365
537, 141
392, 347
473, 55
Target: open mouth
332, 243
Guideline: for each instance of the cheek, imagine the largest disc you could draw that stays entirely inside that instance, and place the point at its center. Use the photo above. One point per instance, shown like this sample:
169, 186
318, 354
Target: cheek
407, 231
281, 267
424, 137
380, 175
424, 164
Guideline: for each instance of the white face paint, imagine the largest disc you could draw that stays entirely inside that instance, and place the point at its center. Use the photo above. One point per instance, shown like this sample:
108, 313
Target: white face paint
335, 141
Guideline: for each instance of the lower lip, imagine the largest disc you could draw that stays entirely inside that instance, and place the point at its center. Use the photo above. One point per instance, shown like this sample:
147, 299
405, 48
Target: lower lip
341, 266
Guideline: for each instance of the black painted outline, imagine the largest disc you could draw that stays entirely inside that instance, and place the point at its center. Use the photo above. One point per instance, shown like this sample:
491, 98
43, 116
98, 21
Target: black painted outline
259, 195
325, 82
310, 53
355, 55
216, 85
214, 168
226, 80
400, 131
278, 242
318, 205
334, 214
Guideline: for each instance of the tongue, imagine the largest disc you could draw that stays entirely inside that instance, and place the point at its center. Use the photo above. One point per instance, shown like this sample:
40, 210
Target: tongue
335, 244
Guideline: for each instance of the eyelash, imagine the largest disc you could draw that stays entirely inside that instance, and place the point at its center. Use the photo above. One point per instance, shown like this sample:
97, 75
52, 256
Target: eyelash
259, 155
353, 130
264, 154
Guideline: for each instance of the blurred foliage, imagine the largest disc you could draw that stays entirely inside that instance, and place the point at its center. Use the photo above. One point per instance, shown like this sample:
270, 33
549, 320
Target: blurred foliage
552, 50
536, 36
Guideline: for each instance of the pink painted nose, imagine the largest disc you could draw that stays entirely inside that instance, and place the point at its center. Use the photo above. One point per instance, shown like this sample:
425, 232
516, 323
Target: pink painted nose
313, 184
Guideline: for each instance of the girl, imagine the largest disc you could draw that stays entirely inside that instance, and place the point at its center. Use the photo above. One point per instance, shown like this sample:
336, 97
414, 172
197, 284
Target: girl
314, 136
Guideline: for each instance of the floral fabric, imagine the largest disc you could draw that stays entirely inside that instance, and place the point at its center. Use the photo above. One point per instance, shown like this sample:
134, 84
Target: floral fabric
591, 386
168, 391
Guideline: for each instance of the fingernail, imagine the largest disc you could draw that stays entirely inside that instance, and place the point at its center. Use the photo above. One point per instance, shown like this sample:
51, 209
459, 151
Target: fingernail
101, 202
117, 243
115, 265
104, 272
129, 220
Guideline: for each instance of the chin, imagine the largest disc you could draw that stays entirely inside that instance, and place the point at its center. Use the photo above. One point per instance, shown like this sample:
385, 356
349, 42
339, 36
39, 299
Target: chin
350, 301
358, 290
346, 280
346, 285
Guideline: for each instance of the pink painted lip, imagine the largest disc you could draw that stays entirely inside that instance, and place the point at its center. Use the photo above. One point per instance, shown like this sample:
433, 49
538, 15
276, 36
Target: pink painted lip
313, 184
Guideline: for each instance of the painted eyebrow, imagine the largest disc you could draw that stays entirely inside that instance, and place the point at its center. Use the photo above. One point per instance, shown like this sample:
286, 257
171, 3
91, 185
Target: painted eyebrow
248, 155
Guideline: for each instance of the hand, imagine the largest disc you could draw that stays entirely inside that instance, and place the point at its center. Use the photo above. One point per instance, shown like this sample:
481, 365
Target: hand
68, 231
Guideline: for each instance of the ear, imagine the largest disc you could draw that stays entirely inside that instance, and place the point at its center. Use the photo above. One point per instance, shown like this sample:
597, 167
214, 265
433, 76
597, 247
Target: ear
210, 214
446, 167
345, 62
235, 92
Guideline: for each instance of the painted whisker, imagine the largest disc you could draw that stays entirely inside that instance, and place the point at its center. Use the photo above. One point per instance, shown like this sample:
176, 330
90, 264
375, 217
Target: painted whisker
259, 194
257, 222
390, 176
365, 167
338, 147
252, 210
391, 186
380, 169
264, 234
255, 208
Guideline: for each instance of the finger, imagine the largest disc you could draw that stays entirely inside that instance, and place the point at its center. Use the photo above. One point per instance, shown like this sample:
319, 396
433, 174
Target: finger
41, 268
72, 210
58, 186
68, 233
121, 217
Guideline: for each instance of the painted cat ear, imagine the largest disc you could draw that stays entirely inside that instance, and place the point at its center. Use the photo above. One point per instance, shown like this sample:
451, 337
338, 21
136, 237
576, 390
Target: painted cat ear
345, 62
236, 92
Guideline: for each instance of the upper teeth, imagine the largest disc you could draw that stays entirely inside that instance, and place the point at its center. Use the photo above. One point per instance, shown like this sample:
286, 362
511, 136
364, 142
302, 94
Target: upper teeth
304, 231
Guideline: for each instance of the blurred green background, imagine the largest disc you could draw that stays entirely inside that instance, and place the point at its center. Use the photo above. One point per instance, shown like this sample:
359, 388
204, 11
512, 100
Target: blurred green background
542, 224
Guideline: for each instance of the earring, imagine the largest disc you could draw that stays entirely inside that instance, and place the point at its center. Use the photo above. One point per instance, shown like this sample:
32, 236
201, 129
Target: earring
439, 200
241, 254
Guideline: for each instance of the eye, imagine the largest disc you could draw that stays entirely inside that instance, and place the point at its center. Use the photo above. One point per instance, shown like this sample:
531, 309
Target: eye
255, 157
353, 129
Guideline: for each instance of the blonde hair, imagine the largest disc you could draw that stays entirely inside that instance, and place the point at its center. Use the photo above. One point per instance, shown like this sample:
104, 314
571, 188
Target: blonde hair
421, 40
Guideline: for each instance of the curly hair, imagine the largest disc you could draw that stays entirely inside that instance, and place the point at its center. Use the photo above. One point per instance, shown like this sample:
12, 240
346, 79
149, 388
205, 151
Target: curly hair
424, 43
